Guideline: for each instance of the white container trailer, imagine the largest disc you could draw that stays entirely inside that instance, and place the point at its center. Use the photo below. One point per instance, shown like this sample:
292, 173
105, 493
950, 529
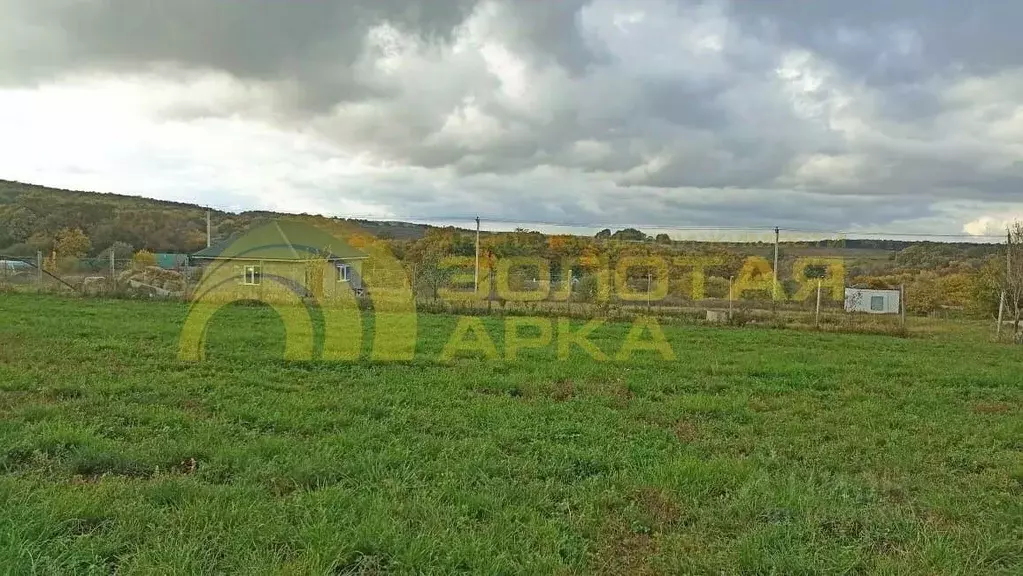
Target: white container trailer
872, 301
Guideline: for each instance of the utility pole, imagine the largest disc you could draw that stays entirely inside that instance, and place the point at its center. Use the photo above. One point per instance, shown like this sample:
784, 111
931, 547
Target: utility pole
774, 287
209, 228
477, 274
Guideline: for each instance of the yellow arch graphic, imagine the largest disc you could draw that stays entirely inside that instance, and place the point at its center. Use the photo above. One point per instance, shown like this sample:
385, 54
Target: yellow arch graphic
298, 325
389, 289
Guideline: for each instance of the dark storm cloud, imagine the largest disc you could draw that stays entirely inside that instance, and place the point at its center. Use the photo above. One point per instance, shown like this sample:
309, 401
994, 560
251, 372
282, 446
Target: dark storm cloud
864, 37
791, 110
314, 43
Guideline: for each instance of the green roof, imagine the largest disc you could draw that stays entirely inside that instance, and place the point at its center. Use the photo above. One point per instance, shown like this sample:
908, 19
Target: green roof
171, 260
282, 240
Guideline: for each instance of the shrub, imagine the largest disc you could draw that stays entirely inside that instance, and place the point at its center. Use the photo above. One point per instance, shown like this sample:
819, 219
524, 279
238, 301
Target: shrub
143, 259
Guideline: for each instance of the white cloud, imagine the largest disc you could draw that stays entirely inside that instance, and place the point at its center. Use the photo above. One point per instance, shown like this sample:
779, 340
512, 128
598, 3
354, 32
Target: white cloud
109, 135
992, 225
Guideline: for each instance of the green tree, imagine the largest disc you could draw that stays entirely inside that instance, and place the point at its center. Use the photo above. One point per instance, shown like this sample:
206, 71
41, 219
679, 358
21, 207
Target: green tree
986, 288
16, 225
629, 234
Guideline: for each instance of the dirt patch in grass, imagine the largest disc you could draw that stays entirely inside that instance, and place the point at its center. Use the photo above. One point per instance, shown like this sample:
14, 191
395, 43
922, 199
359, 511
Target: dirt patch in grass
11, 399
562, 390
763, 405
685, 431
364, 564
500, 390
60, 393
9, 348
93, 468
196, 409
620, 393
628, 542
621, 551
991, 408
661, 510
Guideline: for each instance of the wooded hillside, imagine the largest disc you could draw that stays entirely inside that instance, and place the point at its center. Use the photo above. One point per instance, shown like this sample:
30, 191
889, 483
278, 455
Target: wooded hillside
32, 217
76, 225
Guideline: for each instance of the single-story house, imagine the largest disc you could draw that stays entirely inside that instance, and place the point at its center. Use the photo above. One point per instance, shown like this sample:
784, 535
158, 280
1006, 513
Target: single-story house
283, 255
872, 301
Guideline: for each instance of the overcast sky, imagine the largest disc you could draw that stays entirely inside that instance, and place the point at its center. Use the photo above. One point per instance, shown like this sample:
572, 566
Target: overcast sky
877, 115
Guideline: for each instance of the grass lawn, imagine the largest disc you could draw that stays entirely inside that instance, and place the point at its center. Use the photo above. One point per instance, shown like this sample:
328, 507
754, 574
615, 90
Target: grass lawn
755, 451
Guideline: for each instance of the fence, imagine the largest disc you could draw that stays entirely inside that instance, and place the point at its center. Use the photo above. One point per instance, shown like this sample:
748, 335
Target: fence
721, 299
95, 276
674, 291
521, 293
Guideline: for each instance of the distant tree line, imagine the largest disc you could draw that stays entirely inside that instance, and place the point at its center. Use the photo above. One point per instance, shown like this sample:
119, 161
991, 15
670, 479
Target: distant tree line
67, 225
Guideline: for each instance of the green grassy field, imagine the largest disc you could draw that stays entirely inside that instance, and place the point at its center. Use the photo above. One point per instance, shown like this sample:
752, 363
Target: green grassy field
756, 451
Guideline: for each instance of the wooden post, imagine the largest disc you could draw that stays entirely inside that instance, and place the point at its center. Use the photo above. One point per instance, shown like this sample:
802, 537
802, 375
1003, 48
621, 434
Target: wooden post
39, 267
413, 283
902, 303
476, 276
730, 297
1010, 290
113, 270
1008, 255
774, 286
648, 292
490, 296
1001, 310
817, 316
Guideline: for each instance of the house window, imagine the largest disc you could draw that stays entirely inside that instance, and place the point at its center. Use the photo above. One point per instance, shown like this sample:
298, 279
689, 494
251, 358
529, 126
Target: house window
877, 303
253, 276
342, 273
